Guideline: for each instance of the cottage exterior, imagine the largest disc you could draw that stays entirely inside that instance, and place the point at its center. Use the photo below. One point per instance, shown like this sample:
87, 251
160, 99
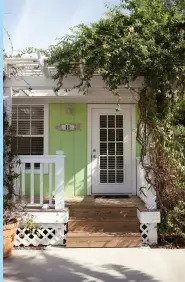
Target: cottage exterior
71, 145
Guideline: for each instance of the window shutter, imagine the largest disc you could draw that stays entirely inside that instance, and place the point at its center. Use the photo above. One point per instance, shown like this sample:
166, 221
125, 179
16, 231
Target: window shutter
37, 120
28, 124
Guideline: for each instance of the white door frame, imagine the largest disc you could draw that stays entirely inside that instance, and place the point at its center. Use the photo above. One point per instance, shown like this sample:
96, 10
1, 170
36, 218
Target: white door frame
132, 108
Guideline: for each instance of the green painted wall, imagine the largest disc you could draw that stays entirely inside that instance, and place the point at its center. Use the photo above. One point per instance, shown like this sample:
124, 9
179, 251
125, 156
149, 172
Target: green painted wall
73, 143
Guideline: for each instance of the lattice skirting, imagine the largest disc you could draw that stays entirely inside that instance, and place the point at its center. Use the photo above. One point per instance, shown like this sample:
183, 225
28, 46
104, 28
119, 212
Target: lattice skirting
46, 234
144, 228
148, 225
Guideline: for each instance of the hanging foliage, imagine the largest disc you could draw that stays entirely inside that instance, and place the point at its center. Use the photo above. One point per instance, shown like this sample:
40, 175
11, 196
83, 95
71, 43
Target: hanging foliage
10, 210
140, 38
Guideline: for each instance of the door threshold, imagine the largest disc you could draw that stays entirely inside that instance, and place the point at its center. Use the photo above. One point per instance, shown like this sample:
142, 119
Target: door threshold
112, 196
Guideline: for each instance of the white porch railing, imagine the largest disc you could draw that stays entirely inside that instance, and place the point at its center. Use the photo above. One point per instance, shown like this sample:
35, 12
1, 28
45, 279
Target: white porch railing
47, 165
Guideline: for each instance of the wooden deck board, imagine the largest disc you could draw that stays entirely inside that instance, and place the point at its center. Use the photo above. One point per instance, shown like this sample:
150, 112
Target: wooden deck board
103, 222
103, 240
86, 201
103, 225
91, 201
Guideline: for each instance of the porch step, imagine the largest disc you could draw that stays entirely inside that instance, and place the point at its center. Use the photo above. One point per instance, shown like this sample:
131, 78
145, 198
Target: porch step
103, 212
103, 225
103, 240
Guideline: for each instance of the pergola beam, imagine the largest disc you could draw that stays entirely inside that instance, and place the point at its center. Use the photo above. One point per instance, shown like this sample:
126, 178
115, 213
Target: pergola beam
43, 65
35, 74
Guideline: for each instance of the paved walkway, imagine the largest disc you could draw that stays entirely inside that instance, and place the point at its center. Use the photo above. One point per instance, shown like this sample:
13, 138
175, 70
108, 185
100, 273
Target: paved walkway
95, 265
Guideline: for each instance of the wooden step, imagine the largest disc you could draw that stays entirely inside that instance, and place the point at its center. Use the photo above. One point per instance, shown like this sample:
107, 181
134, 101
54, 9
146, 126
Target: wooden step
113, 225
103, 212
103, 240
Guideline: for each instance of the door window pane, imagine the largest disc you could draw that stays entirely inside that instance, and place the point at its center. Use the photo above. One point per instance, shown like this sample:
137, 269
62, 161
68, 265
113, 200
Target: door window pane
111, 149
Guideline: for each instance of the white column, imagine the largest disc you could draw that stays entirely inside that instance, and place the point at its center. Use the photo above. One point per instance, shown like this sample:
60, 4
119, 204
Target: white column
152, 234
150, 219
59, 181
147, 195
151, 199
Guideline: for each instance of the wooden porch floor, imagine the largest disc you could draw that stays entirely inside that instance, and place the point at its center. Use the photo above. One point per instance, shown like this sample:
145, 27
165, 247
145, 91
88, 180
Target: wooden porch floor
92, 201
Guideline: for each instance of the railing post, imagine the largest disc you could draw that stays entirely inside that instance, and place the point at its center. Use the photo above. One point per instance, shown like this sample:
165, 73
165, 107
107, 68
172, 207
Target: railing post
147, 195
59, 181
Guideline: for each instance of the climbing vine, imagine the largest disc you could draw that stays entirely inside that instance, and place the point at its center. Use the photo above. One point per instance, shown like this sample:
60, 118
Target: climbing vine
140, 38
10, 210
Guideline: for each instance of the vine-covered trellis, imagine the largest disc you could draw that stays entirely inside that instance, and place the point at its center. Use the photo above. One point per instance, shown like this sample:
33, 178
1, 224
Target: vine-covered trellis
140, 38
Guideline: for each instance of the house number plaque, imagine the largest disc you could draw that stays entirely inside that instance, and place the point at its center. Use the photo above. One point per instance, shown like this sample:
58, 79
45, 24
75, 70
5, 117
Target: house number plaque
68, 127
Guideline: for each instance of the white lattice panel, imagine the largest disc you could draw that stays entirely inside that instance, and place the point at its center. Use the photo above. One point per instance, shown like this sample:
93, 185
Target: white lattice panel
48, 234
144, 228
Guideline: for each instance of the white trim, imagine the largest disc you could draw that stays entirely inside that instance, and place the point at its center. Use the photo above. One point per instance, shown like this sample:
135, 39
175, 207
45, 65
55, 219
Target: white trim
89, 146
133, 150
95, 96
50, 159
50, 217
149, 216
35, 171
46, 128
41, 82
132, 107
108, 106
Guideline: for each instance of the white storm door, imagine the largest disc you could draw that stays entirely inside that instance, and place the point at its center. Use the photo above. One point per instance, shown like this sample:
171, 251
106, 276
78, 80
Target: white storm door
111, 151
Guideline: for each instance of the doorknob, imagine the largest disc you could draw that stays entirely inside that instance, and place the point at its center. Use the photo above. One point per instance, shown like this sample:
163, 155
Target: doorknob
94, 156
94, 150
